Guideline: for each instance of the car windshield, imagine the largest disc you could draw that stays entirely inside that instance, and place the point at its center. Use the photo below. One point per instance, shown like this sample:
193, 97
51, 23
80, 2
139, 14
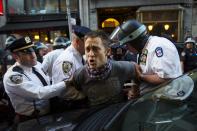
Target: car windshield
166, 108
161, 109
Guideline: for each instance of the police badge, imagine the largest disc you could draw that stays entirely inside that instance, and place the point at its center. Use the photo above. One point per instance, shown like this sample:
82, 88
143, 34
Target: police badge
143, 57
17, 79
67, 66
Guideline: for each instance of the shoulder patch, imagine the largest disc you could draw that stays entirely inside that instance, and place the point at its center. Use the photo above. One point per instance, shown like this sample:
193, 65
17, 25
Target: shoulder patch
17, 79
66, 66
159, 52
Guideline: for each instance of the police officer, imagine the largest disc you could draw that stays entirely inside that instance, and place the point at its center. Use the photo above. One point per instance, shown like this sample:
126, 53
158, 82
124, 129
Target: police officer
6, 57
59, 45
159, 57
70, 59
189, 55
41, 51
26, 85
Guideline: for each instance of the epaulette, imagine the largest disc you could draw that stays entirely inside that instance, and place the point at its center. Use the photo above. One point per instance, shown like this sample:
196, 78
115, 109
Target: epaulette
18, 69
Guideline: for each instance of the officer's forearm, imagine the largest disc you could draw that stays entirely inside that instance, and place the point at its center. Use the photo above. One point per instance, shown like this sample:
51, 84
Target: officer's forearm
153, 79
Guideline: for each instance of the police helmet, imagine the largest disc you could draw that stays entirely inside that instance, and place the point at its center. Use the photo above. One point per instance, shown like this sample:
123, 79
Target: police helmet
128, 32
61, 41
40, 45
9, 40
190, 40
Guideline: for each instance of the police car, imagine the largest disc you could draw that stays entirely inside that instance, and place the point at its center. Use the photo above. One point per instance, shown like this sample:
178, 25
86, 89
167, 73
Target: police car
171, 106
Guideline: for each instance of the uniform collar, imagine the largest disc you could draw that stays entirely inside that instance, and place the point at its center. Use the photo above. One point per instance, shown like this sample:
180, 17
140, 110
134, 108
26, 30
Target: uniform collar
25, 68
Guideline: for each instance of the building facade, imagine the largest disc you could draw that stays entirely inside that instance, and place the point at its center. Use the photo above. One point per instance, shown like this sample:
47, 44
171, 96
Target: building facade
43, 20
175, 18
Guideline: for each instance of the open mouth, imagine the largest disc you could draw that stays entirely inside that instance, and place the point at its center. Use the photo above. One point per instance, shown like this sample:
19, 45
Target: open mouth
92, 62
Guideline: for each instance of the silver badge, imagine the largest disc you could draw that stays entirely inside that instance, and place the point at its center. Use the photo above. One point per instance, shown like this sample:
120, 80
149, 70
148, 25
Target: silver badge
27, 40
67, 66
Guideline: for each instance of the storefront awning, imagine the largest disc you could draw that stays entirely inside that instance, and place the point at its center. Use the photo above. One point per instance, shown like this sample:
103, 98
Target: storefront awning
160, 8
11, 27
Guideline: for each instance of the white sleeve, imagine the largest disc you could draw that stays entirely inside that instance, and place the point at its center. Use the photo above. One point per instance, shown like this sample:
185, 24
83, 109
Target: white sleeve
167, 65
45, 64
29, 89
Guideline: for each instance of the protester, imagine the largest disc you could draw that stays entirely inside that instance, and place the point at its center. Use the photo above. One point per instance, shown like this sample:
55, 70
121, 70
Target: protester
101, 79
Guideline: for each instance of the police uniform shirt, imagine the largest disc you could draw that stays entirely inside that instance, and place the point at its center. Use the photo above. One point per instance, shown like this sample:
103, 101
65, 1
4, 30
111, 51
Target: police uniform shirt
160, 56
49, 59
25, 88
66, 64
189, 58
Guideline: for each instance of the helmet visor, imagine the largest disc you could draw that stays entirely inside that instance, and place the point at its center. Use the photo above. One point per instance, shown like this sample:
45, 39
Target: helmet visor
119, 35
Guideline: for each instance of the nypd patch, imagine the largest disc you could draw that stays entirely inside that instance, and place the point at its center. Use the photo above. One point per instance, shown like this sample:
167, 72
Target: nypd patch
66, 66
159, 52
17, 79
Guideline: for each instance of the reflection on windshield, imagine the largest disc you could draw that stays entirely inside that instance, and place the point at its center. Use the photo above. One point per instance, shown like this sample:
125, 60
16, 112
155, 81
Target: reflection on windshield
154, 115
178, 89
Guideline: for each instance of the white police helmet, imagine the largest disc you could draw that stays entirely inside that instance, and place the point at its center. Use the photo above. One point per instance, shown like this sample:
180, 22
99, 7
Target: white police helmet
61, 41
190, 40
9, 40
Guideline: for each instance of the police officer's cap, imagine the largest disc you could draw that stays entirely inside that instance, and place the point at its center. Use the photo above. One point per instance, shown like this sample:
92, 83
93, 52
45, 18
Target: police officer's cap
80, 31
23, 44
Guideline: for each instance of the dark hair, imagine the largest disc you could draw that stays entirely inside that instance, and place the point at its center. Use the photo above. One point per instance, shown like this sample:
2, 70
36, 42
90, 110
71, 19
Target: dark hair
101, 34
